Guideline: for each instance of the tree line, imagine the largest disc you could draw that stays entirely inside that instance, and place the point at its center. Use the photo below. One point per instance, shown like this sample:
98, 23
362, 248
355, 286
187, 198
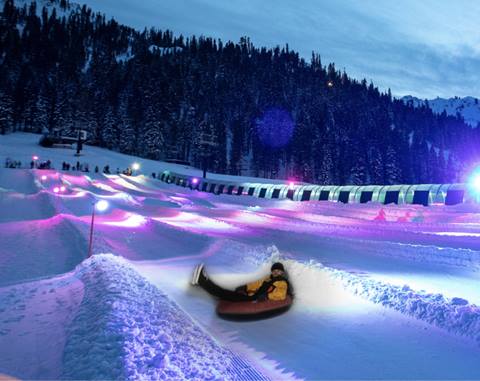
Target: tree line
242, 109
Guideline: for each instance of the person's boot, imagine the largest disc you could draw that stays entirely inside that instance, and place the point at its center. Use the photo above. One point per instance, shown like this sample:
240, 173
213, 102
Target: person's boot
197, 273
202, 278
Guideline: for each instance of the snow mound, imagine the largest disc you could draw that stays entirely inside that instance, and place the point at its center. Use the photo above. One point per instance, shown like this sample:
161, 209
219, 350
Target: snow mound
455, 315
126, 328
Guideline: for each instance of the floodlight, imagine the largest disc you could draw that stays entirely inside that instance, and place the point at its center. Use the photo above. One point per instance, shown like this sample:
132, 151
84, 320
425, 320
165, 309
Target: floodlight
101, 205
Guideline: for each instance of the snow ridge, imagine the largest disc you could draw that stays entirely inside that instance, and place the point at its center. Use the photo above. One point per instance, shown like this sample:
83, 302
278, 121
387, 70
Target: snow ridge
126, 328
455, 315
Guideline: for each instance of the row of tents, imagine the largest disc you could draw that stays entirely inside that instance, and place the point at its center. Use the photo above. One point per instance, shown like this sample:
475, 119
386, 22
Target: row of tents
422, 194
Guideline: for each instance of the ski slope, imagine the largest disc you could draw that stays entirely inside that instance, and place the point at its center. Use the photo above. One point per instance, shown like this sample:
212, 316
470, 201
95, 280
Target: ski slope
374, 299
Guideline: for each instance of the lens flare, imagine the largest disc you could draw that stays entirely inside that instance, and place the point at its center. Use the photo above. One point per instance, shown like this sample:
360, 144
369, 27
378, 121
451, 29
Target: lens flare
275, 128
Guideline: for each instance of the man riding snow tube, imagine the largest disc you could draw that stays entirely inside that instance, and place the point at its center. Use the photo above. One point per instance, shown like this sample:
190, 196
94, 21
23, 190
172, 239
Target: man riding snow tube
269, 295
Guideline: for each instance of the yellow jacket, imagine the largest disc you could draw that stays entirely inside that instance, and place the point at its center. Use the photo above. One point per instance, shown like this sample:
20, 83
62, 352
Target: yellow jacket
277, 290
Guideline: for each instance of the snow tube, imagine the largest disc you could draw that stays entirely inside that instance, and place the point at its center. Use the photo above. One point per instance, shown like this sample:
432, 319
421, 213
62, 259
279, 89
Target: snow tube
252, 310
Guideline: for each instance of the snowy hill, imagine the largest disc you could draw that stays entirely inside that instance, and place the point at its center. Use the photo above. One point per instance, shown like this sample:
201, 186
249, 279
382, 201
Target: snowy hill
405, 288
23, 146
468, 107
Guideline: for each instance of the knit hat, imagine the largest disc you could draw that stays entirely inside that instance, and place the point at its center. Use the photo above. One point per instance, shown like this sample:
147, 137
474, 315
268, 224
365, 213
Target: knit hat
277, 266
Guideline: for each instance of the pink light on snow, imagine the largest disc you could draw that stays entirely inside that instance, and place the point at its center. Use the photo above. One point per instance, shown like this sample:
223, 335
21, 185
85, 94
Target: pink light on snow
125, 184
291, 184
104, 187
196, 223
251, 218
62, 189
56, 190
44, 178
77, 194
130, 220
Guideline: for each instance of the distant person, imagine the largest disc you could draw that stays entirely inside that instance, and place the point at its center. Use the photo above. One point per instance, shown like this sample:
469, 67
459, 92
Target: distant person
273, 287
32, 164
96, 169
106, 169
405, 218
381, 216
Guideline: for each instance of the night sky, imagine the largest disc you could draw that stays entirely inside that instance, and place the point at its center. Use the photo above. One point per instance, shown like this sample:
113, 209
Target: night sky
422, 48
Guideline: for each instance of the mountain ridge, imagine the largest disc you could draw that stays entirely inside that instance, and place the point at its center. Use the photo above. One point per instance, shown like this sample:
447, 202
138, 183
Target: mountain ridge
467, 107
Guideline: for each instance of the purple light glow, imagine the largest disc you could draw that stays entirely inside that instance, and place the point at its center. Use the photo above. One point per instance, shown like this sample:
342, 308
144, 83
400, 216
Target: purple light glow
275, 128
56, 190
44, 178
291, 184
62, 189
35, 157
194, 180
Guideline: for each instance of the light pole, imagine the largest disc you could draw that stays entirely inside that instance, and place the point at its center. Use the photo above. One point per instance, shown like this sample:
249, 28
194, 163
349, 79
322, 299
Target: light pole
101, 206
34, 161
135, 167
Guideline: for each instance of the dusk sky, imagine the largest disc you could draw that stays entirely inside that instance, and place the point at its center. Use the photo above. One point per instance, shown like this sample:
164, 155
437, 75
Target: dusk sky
423, 48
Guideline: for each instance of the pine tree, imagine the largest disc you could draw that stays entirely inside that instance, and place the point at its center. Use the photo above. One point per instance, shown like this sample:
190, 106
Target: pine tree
392, 172
376, 166
6, 113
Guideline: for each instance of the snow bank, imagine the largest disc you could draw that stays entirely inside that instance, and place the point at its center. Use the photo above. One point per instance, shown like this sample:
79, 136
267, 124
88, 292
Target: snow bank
455, 315
127, 328
422, 253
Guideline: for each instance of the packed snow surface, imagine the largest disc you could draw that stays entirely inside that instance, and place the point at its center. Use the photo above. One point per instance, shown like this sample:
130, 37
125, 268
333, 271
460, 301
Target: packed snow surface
373, 299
